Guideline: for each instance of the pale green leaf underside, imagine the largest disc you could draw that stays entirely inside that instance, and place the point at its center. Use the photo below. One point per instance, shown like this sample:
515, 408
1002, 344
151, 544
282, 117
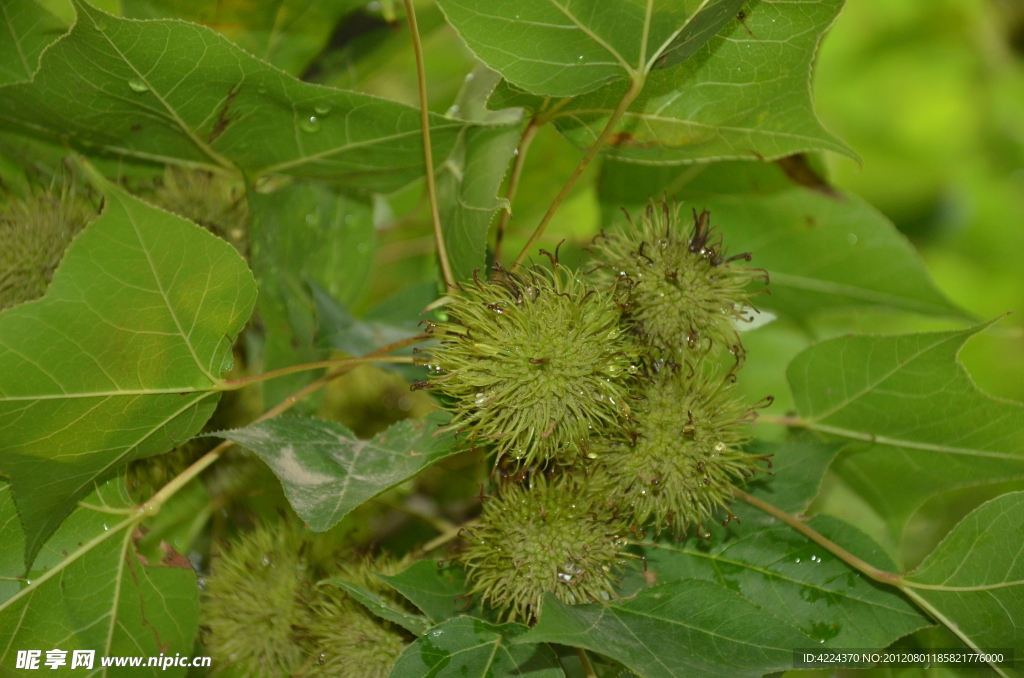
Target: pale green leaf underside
470, 648
89, 591
170, 91
682, 629
120, 360
820, 252
469, 179
926, 426
744, 95
26, 28
983, 557
567, 47
326, 471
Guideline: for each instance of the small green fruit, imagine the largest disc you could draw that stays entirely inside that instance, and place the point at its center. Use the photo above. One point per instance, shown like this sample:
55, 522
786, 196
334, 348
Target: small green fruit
551, 536
256, 600
214, 202
534, 364
33, 236
688, 452
685, 292
352, 642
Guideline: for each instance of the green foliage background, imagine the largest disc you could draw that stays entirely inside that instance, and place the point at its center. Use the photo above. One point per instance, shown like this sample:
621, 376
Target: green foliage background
901, 216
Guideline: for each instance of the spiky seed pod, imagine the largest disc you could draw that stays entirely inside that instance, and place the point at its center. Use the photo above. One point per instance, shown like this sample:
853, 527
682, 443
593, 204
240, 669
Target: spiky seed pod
534, 364
256, 601
685, 292
34, 233
214, 202
687, 455
350, 641
548, 536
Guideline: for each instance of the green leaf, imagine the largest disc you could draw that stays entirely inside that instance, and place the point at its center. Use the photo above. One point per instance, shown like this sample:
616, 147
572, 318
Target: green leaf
704, 25
170, 91
27, 28
798, 468
286, 33
120, 360
784, 573
469, 179
564, 49
820, 252
88, 590
470, 648
326, 471
676, 630
974, 579
925, 426
440, 592
303, 234
745, 95
414, 624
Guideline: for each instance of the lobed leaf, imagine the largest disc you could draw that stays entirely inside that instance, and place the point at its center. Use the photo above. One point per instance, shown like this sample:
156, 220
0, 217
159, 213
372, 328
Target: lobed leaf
88, 590
676, 630
326, 471
27, 28
471, 648
745, 94
559, 48
787, 575
925, 427
120, 360
170, 91
974, 579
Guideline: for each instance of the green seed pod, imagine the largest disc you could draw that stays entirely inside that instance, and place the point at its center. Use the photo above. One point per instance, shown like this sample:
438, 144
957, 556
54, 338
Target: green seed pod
256, 602
534, 364
552, 536
688, 452
350, 641
33, 236
685, 293
214, 202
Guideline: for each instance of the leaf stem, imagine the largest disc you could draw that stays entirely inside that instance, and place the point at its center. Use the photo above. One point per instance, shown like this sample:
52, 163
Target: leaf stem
241, 382
588, 668
635, 85
428, 153
829, 545
156, 502
536, 122
444, 537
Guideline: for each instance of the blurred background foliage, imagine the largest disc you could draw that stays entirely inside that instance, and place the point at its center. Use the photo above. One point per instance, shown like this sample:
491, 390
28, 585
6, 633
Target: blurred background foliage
929, 93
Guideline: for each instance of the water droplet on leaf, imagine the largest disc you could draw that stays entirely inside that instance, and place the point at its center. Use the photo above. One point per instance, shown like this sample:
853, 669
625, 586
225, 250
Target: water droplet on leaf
312, 124
322, 109
137, 85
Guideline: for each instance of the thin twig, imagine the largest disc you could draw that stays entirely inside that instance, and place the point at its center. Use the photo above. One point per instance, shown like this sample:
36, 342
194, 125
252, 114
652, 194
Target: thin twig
242, 382
588, 668
536, 122
636, 84
835, 549
428, 154
444, 537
